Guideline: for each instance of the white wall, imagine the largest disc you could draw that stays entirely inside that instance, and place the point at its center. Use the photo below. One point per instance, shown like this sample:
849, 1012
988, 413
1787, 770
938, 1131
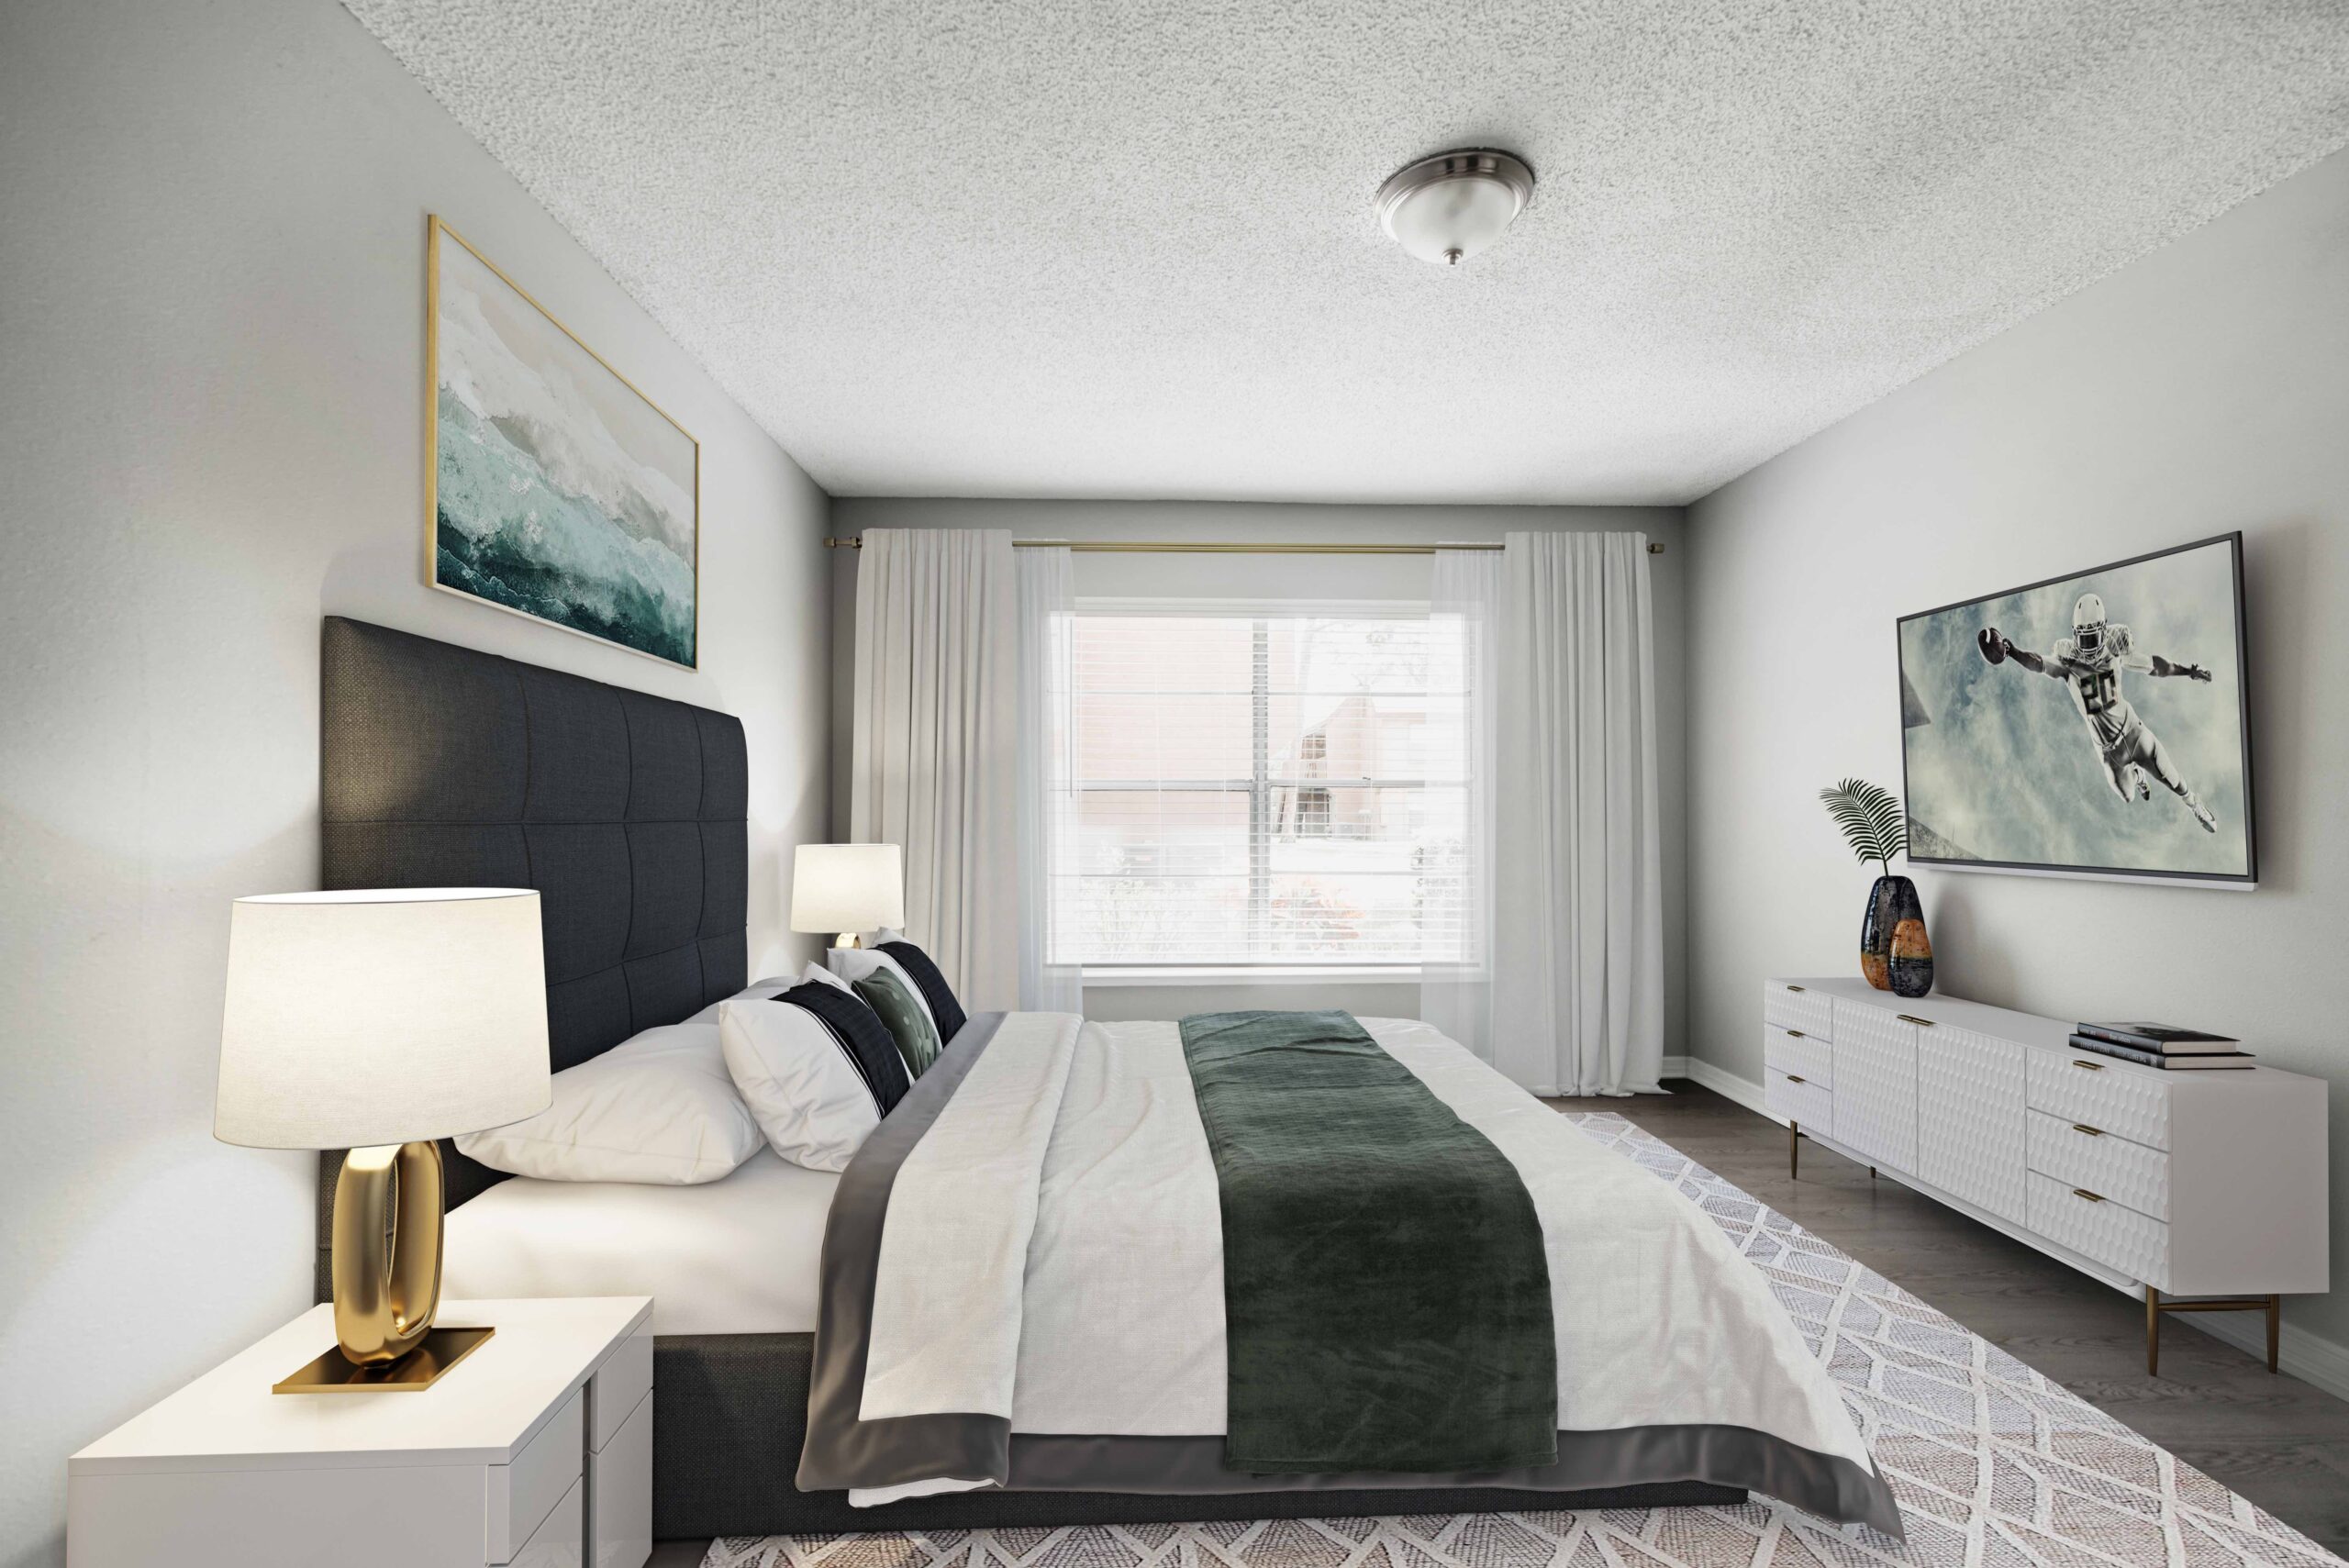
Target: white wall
211, 427
2204, 389
1291, 576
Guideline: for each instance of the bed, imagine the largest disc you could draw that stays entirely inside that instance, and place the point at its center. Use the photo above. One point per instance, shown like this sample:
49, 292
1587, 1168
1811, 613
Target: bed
780, 1291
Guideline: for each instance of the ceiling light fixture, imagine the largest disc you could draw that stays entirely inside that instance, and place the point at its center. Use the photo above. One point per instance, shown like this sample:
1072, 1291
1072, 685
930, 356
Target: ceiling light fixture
1447, 207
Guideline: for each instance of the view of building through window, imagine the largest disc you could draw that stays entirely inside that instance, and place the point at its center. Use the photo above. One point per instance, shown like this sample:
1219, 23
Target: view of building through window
1264, 785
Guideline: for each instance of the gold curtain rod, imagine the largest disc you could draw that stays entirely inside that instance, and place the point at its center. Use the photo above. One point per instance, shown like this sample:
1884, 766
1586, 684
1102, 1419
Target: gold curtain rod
1170, 547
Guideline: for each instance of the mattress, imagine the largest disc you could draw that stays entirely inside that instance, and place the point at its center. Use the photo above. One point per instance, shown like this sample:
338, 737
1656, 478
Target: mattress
734, 1256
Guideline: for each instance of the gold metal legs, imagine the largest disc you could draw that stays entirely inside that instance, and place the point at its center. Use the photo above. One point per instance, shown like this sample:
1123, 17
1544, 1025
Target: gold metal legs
386, 1271
2273, 1306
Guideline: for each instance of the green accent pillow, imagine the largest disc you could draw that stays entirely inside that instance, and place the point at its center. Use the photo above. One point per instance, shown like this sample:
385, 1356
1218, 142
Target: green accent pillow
908, 1024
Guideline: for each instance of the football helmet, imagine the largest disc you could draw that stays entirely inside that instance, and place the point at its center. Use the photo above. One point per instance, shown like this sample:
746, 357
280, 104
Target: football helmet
2090, 634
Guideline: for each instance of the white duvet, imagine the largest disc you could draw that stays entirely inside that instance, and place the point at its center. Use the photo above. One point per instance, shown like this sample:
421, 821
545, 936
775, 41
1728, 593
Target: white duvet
1052, 1253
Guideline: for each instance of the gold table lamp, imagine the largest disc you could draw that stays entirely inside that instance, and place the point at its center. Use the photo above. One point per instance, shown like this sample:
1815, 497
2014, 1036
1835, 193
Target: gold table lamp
380, 1021
847, 889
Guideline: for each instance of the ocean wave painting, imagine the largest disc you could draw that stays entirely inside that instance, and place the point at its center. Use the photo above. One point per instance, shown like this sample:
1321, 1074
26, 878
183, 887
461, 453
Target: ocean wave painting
558, 491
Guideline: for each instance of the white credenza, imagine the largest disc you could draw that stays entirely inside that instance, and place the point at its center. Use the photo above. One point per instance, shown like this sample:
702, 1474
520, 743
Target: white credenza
534, 1451
2159, 1183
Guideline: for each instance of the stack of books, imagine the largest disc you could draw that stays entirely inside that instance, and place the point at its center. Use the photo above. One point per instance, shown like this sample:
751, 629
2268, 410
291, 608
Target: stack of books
2160, 1045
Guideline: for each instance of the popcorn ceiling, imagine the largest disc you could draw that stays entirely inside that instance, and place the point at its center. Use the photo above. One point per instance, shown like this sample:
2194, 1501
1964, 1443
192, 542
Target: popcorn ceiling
1125, 249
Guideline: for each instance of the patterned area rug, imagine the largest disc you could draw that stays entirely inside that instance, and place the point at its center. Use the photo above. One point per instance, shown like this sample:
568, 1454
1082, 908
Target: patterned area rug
1995, 1465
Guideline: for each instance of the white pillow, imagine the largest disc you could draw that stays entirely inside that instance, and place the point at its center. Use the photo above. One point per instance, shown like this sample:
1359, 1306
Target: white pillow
858, 963
659, 1108
807, 1096
760, 990
816, 974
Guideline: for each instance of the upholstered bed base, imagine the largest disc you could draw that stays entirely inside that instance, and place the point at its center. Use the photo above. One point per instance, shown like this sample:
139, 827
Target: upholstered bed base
729, 1413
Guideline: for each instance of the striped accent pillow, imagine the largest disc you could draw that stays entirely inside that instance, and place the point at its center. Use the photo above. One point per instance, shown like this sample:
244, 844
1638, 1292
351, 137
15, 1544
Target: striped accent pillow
862, 1038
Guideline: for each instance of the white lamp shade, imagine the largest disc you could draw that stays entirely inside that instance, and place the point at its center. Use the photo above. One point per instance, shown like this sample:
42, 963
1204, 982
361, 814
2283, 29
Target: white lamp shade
380, 1017
847, 887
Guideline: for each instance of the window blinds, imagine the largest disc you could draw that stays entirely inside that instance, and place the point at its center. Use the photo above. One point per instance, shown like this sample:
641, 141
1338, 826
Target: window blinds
1264, 785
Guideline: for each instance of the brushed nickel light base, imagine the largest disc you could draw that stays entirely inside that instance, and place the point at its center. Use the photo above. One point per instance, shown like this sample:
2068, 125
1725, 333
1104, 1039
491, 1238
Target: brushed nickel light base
1447, 207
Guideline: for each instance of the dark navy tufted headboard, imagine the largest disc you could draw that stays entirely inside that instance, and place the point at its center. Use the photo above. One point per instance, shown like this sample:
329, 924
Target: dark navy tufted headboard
444, 767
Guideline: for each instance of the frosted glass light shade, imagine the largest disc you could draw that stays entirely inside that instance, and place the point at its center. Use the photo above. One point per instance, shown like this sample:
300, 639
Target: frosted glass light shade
383, 1015
847, 887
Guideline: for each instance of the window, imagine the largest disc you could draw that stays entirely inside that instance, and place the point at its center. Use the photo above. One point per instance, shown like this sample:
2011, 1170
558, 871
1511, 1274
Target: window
1263, 785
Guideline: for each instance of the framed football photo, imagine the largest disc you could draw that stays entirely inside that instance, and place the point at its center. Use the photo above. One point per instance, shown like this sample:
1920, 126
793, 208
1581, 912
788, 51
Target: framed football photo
2096, 725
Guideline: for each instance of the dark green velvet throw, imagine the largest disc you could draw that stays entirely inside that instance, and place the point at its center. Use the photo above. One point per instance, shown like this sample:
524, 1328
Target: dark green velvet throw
1386, 1299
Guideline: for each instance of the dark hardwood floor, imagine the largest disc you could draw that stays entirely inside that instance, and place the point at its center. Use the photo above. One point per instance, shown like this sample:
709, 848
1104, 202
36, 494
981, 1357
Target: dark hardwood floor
2274, 1440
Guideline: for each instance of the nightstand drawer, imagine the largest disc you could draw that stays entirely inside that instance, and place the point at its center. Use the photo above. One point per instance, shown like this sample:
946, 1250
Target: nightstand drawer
618, 1386
2075, 1086
1798, 1100
521, 1494
2081, 1156
1799, 1054
561, 1539
2097, 1227
619, 1493
1798, 1008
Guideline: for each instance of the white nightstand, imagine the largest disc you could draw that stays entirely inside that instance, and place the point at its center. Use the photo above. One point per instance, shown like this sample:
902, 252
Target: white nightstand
535, 1448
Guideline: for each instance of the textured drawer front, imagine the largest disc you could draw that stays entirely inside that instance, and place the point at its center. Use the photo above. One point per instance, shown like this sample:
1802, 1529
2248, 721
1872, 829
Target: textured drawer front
2073, 1086
522, 1494
620, 1495
1799, 1054
1876, 1086
1970, 1114
2126, 1173
1812, 1104
1792, 1007
2117, 1237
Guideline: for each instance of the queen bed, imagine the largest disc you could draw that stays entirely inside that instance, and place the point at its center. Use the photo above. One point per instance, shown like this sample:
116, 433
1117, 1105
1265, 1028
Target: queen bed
1010, 1307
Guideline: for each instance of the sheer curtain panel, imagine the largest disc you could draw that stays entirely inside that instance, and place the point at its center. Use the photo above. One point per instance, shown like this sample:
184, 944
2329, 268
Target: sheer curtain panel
1456, 978
1577, 936
1051, 979
935, 759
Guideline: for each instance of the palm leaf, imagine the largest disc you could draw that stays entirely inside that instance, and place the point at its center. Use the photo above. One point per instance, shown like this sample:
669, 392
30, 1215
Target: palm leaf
1870, 817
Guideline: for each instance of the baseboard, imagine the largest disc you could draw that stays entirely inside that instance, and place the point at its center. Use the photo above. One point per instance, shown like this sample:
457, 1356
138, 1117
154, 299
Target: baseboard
2313, 1359
1729, 1085
1674, 1067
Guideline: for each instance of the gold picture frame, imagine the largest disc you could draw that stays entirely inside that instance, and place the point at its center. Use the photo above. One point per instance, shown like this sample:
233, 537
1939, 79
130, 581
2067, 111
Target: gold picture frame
559, 495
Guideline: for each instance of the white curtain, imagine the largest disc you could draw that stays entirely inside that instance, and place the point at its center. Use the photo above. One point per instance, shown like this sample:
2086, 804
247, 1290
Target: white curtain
1566, 992
1047, 647
936, 749
1456, 983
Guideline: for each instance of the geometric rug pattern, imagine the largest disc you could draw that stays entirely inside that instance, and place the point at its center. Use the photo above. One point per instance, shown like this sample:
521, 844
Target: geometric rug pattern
1995, 1466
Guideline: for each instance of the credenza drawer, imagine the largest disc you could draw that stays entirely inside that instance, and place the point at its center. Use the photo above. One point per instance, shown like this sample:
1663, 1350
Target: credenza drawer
1802, 1055
1798, 1100
2073, 1085
2099, 1226
1792, 1007
2080, 1155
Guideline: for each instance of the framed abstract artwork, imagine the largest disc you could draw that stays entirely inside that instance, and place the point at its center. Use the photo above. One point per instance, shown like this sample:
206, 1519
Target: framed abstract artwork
554, 488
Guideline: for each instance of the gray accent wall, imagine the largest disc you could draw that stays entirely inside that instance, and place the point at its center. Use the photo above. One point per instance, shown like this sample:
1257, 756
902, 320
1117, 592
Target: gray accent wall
2202, 389
1301, 577
212, 428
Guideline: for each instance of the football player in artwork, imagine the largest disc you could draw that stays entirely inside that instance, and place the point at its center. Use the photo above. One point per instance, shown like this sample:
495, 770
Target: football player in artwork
2089, 662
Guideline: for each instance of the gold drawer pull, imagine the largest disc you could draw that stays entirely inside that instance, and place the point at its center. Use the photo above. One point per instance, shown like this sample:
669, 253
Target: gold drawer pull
2088, 1066
2083, 1192
2092, 1132
1795, 1034
1792, 1079
1794, 987
1913, 1018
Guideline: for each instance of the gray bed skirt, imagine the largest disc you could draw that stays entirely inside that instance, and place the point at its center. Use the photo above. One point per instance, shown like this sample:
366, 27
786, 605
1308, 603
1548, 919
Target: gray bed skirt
730, 1416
